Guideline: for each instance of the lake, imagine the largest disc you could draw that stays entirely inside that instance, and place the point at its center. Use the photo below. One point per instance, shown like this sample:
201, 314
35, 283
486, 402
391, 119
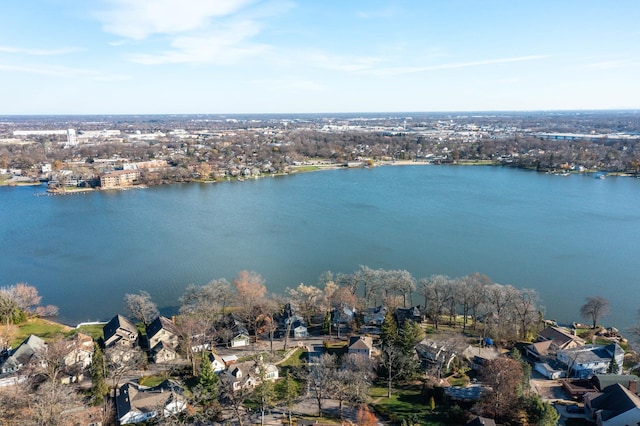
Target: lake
567, 237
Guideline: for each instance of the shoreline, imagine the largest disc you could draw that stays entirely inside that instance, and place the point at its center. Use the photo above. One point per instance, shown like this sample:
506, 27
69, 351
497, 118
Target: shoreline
310, 168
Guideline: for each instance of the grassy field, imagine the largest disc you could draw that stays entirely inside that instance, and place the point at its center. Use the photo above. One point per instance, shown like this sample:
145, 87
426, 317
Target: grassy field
303, 169
406, 403
47, 330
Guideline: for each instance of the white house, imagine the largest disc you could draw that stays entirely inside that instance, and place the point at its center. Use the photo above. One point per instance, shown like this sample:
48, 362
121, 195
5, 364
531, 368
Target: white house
360, 345
136, 404
300, 331
586, 361
217, 363
240, 339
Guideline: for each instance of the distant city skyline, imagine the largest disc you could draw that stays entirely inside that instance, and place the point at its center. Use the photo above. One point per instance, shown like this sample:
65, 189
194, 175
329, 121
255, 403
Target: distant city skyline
282, 56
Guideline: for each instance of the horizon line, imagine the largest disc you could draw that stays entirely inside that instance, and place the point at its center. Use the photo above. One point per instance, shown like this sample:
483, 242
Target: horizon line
497, 111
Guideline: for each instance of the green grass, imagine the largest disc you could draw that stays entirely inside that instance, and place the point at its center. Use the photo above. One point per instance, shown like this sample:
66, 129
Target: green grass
94, 331
408, 403
462, 380
295, 360
44, 329
151, 381
303, 169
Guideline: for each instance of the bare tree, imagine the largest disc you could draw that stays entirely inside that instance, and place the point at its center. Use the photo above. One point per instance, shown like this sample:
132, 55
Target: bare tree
594, 309
320, 378
193, 338
526, 309
208, 302
250, 289
435, 290
250, 294
8, 306
141, 307
478, 285
233, 398
306, 299
121, 361
26, 296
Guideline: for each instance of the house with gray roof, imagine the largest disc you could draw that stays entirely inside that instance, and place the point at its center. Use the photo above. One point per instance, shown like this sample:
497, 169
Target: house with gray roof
586, 361
162, 335
615, 405
550, 340
120, 331
23, 355
136, 404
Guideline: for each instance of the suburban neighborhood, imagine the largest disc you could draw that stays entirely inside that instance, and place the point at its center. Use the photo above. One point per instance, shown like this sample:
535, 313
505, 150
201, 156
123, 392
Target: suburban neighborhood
281, 368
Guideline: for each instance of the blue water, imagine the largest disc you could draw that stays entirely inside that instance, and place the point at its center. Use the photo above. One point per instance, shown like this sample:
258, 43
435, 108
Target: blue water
567, 237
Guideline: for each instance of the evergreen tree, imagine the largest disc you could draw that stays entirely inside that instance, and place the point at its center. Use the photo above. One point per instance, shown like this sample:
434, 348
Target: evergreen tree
99, 386
409, 335
613, 366
326, 325
389, 328
208, 380
288, 391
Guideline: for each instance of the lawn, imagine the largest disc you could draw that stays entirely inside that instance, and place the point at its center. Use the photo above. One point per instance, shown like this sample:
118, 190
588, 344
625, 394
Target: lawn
94, 330
295, 360
151, 381
303, 169
42, 328
406, 402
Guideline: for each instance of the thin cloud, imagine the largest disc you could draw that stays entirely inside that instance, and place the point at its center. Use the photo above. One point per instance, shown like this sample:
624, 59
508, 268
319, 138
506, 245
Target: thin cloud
136, 19
68, 72
38, 52
226, 45
454, 65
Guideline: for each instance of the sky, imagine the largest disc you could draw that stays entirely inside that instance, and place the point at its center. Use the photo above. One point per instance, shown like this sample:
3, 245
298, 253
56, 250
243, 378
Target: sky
316, 56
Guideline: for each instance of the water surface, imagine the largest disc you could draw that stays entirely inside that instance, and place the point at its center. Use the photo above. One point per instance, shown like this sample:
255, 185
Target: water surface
567, 237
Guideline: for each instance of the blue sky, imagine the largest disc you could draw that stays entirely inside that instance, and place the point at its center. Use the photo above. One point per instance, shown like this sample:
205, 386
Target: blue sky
300, 56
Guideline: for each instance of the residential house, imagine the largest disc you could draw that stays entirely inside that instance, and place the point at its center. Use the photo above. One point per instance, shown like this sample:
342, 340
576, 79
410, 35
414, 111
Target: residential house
271, 372
240, 339
360, 345
300, 331
163, 339
229, 359
136, 404
548, 371
243, 376
550, 340
629, 381
481, 421
585, 361
435, 355
236, 333
477, 355
217, 363
615, 405
163, 352
247, 375
374, 316
80, 354
23, 355
120, 331
78, 358
414, 314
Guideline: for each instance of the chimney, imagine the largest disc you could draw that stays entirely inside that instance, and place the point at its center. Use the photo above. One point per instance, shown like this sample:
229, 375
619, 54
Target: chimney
633, 386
